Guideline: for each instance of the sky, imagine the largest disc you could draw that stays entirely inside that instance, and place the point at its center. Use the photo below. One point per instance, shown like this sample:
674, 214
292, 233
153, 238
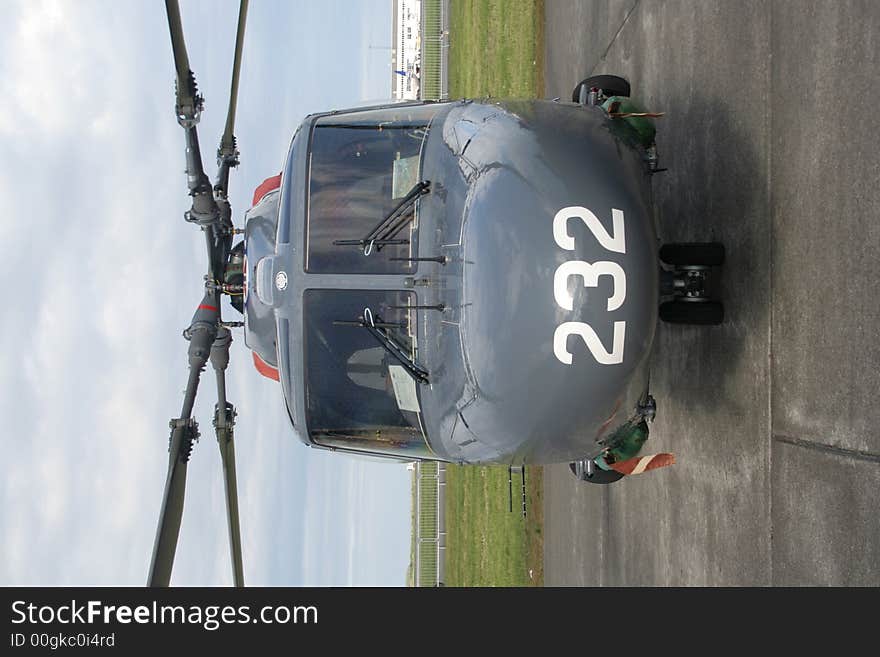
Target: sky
103, 274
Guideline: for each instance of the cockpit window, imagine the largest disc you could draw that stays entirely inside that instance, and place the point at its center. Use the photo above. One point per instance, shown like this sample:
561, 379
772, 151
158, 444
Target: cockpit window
359, 397
363, 167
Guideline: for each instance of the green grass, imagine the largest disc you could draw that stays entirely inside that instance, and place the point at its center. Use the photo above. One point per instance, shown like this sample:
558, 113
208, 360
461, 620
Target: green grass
496, 48
486, 544
430, 87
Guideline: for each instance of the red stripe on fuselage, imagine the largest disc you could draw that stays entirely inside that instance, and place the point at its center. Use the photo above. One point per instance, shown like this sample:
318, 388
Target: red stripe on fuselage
265, 187
204, 306
264, 368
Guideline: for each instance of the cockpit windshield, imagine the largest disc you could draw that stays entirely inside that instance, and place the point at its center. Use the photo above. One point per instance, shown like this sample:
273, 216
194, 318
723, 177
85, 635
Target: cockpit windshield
360, 394
365, 169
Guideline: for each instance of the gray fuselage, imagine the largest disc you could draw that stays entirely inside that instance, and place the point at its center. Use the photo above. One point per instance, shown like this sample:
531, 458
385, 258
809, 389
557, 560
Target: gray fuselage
536, 328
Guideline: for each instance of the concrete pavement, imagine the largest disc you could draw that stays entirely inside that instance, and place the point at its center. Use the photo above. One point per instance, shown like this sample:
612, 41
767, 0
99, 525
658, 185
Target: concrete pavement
771, 143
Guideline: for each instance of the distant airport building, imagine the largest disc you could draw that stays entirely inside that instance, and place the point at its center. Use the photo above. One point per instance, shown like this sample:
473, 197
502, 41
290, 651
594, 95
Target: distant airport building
405, 50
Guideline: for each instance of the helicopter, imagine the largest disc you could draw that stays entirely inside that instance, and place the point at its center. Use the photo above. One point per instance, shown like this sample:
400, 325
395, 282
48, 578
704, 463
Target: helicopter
474, 281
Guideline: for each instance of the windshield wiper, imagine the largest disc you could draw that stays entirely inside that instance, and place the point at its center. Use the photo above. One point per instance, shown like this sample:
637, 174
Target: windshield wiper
383, 234
380, 330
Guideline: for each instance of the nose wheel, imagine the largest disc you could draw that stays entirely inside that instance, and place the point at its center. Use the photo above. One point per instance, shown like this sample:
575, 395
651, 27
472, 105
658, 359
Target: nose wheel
688, 282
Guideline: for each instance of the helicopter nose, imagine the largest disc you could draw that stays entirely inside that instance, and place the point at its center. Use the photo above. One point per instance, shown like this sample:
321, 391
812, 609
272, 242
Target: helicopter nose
570, 282
560, 303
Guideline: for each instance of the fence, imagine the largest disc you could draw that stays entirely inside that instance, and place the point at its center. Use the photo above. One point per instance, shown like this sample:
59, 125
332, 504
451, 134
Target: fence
434, 78
430, 539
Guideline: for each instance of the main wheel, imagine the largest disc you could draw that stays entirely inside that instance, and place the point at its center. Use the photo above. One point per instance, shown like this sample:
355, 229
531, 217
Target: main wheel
610, 85
709, 254
680, 311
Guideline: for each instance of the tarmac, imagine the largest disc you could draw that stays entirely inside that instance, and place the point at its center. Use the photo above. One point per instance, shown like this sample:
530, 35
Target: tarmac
771, 143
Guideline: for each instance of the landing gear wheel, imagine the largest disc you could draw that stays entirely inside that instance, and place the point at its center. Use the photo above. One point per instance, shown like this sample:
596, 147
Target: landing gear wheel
681, 311
610, 85
707, 254
599, 476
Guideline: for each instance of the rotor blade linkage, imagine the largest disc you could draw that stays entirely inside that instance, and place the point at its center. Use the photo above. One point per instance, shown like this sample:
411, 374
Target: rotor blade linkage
184, 431
224, 423
204, 210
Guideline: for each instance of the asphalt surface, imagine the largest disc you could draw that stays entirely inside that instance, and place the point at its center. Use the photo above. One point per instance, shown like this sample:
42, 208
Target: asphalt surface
771, 142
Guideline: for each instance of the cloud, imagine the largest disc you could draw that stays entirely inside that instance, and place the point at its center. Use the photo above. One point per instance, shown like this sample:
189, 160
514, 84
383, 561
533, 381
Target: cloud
106, 275
85, 386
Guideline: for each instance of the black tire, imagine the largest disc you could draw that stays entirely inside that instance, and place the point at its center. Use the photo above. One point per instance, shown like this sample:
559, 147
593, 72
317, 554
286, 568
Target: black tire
709, 254
599, 476
706, 313
611, 85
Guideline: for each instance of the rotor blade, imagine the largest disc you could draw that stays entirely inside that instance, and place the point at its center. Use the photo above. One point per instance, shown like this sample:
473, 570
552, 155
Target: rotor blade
227, 143
178, 46
189, 107
227, 455
184, 432
187, 93
224, 423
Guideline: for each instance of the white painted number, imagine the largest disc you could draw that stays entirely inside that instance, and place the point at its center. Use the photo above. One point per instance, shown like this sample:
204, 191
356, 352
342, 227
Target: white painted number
615, 242
590, 273
594, 344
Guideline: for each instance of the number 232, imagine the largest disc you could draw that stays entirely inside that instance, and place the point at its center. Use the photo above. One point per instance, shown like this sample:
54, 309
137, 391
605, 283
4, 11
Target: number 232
590, 273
